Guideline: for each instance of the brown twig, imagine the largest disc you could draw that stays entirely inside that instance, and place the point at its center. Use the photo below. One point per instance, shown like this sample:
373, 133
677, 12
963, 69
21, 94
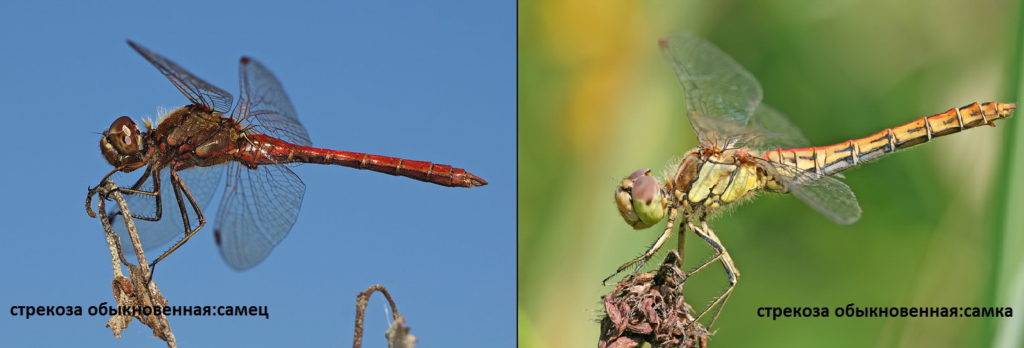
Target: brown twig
125, 288
398, 335
650, 307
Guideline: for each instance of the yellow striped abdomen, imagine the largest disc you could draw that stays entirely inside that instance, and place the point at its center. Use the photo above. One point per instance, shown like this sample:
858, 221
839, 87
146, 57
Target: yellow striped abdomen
831, 159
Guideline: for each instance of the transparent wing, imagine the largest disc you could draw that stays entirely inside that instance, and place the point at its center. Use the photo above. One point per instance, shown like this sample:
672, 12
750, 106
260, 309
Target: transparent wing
263, 104
769, 129
823, 193
194, 88
202, 181
257, 211
720, 94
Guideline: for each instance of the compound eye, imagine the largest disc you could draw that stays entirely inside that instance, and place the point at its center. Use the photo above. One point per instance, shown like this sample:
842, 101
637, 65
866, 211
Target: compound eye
125, 136
639, 199
645, 189
639, 173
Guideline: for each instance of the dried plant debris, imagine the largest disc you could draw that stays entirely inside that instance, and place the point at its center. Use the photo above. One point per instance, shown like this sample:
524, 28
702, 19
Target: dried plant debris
649, 307
138, 290
126, 296
398, 334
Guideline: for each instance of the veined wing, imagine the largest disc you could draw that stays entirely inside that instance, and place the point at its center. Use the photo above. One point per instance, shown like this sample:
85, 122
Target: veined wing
723, 104
720, 94
195, 89
825, 194
257, 211
770, 129
263, 104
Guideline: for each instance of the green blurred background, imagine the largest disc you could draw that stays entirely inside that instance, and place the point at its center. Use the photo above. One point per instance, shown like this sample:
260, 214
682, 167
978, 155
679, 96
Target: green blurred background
597, 101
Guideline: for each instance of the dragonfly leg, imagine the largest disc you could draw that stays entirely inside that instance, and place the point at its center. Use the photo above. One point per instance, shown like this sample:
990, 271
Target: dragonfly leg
181, 189
708, 235
96, 191
136, 190
639, 261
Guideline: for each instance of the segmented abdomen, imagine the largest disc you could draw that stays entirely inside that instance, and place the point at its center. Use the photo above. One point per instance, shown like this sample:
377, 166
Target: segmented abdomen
260, 149
831, 159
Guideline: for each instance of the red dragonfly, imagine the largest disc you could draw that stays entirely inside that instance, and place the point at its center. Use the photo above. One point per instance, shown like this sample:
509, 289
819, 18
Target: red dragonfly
193, 146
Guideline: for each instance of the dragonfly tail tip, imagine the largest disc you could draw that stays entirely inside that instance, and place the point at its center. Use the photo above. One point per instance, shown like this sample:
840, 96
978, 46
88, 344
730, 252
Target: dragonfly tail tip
474, 181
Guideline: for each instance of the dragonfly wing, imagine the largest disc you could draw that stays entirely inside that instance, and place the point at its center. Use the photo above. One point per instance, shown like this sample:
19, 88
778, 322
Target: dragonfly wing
823, 193
770, 129
720, 94
195, 89
201, 181
264, 105
257, 211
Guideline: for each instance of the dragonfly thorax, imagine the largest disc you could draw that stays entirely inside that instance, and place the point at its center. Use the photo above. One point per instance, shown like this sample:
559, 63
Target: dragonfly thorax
707, 179
194, 135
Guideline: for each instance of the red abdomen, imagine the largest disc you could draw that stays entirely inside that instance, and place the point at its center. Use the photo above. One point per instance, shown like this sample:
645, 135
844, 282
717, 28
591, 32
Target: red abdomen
261, 149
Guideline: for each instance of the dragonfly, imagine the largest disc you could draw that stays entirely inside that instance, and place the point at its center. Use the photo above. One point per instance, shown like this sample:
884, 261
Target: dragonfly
250, 145
747, 147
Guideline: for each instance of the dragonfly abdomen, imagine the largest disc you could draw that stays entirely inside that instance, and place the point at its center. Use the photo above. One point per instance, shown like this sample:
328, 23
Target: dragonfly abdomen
269, 150
831, 159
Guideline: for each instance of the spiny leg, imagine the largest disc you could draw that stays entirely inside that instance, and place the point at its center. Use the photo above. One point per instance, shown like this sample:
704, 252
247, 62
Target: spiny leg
181, 189
142, 179
136, 190
709, 236
133, 190
126, 191
639, 261
97, 191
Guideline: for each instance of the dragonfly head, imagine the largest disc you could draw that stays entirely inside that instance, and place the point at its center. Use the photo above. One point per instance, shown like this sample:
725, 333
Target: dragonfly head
122, 144
640, 200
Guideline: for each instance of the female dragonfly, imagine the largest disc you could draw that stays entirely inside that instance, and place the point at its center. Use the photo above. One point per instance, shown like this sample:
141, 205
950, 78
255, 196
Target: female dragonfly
747, 147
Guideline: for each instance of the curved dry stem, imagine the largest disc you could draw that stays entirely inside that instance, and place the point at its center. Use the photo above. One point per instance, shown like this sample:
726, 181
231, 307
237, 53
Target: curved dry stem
125, 288
398, 335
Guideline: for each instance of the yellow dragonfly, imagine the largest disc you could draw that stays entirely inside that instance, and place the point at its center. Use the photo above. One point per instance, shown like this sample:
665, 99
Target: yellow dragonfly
747, 147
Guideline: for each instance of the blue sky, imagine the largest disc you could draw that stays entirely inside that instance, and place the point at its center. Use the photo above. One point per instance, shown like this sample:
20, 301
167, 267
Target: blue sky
422, 80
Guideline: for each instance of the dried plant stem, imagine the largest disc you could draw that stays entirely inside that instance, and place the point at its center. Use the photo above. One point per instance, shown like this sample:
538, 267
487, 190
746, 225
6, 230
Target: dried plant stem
398, 335
124, 288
